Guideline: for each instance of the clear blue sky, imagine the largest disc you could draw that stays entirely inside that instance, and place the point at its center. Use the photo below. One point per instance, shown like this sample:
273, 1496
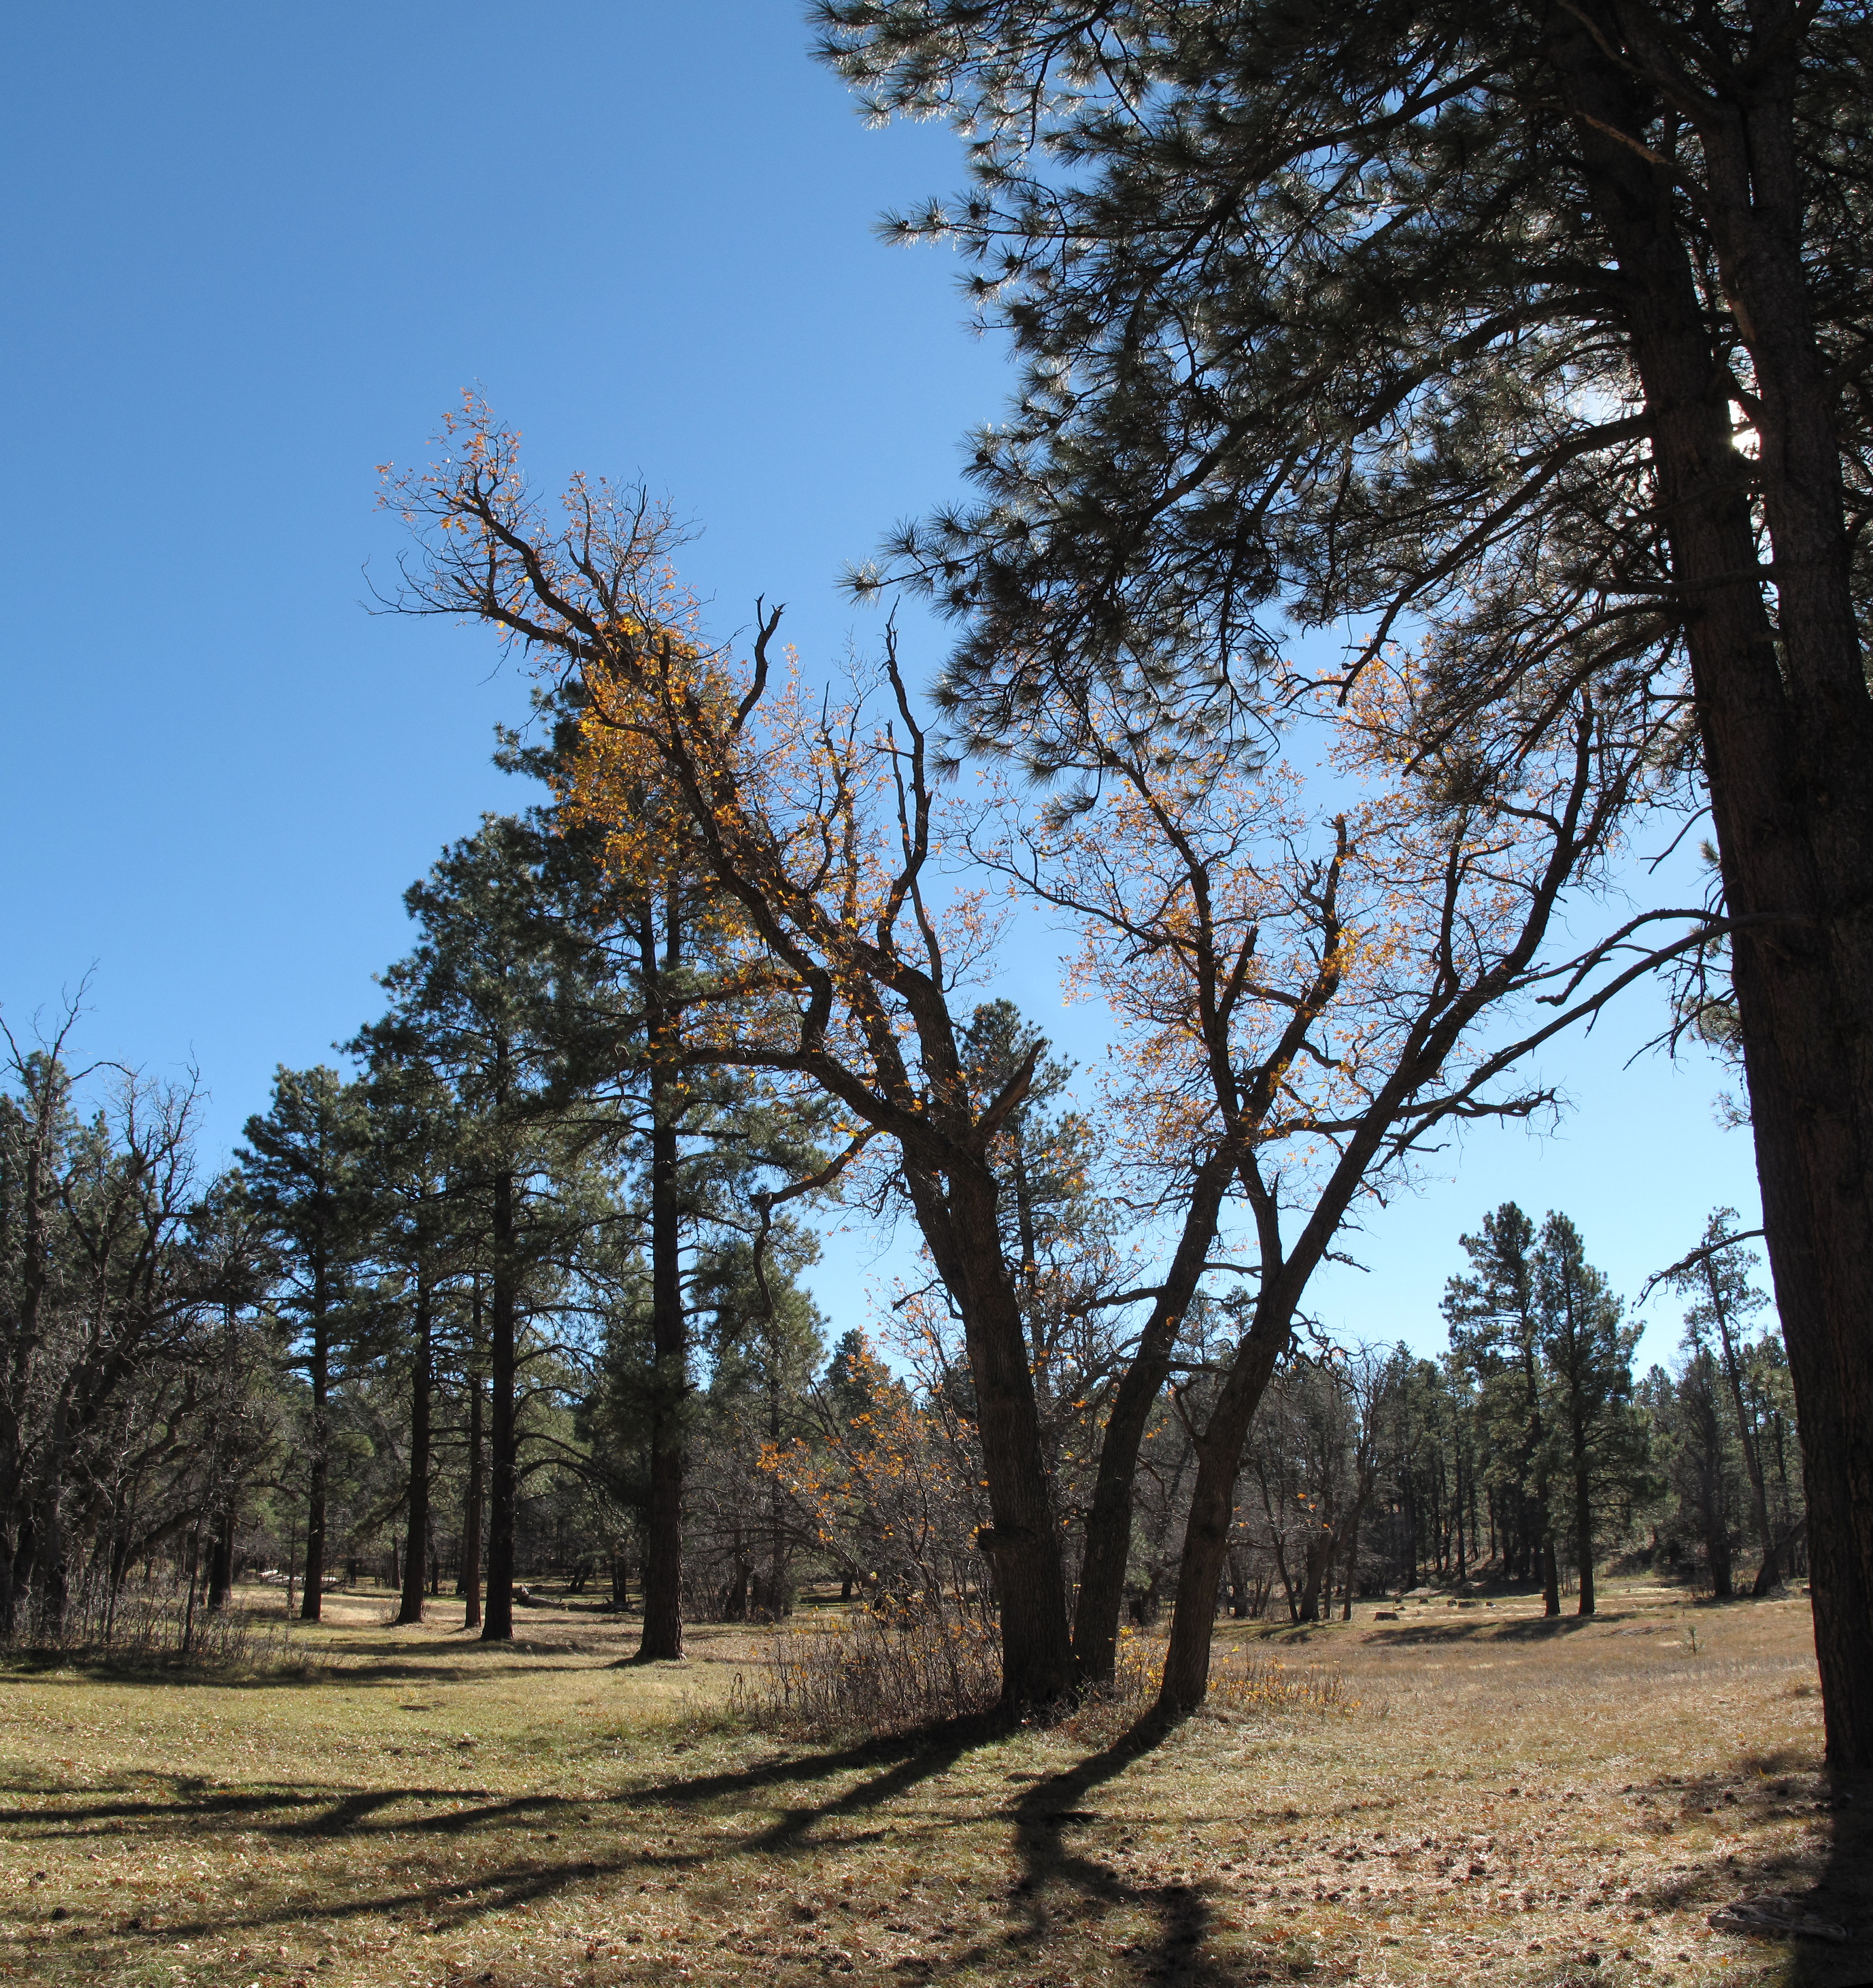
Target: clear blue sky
252, 251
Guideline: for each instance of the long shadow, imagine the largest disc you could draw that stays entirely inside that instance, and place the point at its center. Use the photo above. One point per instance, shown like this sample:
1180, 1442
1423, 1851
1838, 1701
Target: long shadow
295, 1813
452, 1904
1832, 1880
1042, 1818
950, 1740
1043, 1815
312, 1669
1534, 1629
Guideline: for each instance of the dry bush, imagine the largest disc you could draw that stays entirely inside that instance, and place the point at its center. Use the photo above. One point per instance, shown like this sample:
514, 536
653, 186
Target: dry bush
160, 1619
890, 1669
1239, 1682
879, 1669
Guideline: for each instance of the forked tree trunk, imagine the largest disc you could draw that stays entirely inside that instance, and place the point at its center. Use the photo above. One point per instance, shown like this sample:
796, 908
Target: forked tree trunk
1212, 1502
1316, 1573
1107, 1546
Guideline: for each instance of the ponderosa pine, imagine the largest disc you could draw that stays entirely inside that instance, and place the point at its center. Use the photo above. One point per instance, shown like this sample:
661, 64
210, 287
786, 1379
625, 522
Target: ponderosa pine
1535, 335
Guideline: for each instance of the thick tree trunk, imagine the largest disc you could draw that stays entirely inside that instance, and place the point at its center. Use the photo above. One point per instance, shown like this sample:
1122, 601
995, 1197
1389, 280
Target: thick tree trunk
472, 1510
1108, 1519
311, 1600
1212, 1502
504, 1473
1583, 1531
1109, 1515
669, 1398
958, 1217
421, 1372
1317, 1573
1787, 730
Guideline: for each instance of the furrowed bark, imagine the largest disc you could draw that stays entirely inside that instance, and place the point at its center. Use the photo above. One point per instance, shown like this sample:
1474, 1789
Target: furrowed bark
1787, 731
663, 1554
1212, 1506
663, 1546
958, 1218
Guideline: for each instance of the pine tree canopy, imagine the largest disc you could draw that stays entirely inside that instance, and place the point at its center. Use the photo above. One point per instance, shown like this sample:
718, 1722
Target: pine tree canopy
1336, 308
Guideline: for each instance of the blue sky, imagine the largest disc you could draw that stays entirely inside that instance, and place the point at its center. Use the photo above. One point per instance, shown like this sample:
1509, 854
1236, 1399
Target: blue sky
255, 251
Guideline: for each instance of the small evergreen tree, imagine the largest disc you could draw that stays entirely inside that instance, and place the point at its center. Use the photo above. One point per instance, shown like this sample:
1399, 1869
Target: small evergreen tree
1598, 1439
300, 1168
1496, 1334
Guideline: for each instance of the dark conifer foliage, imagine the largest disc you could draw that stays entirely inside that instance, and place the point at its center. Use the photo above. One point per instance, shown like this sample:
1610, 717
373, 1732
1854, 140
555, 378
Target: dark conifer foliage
1533, 336
300, 1169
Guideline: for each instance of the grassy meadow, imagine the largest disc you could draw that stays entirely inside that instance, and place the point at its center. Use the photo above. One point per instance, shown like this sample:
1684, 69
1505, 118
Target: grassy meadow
1497, 1800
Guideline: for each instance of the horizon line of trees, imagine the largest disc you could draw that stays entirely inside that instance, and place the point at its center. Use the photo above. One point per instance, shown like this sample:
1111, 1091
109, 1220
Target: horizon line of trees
294, 1366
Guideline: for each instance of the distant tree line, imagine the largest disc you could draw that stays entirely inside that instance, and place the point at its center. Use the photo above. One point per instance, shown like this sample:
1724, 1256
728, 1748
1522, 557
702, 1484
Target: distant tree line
413, 1333
525, 1276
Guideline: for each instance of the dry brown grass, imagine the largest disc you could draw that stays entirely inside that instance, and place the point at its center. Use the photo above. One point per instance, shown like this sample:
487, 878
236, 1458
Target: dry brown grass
1504, 1802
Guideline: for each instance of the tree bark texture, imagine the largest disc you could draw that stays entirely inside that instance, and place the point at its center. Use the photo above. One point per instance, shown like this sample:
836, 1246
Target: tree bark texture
662, 1639
663, 1547
472, 1512
1787, 731
1107, 1546
421, 1376
958, 1216
1212, 1502
504, 1473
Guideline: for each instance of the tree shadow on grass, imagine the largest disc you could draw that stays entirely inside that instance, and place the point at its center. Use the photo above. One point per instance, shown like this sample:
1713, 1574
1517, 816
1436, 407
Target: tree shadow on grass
1187, 1918
1532, 1629
1055, 1870
317, 1666
1825, 1872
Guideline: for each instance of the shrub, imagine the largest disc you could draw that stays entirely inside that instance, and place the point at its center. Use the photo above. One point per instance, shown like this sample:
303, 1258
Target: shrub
887, 1667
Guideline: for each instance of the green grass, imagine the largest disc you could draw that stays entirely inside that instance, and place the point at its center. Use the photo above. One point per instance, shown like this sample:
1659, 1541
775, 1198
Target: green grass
1503, 1801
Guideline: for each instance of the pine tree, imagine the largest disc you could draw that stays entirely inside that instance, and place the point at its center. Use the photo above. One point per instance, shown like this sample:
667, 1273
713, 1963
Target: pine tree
1700, 1455
1598, 1439
301, 1173
1715, 1277
405, 1162
1451, 320
475, 1004
1495, 1333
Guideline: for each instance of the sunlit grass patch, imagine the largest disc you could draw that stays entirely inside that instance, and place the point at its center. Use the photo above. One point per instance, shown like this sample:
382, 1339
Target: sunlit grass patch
1536, 1806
